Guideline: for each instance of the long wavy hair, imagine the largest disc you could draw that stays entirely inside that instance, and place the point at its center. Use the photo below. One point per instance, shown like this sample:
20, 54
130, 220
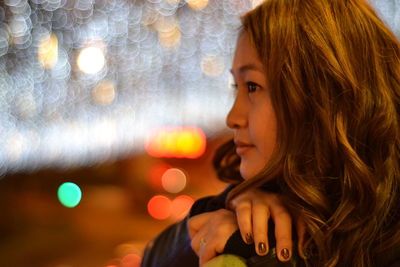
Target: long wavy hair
333, 68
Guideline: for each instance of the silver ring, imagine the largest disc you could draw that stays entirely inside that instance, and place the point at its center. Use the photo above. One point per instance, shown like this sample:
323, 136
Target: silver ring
202, 242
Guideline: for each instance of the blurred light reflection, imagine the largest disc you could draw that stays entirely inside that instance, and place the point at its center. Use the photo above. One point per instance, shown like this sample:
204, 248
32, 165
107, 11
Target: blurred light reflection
48, 51
91, 60
159, 207
180, 207
173, 180
139, 64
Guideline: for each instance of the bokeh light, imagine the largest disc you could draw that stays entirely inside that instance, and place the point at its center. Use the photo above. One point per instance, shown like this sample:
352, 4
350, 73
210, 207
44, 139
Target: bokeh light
77, 62
181, 206
104, 93
48, 50
15, 145
69, 194
91, 60
197, 4
177, 142
256, 3
131, 260
212, 65
174, 180
170, 39
159, 207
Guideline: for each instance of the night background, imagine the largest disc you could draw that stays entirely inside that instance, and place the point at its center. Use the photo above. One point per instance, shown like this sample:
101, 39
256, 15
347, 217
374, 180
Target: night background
110, 114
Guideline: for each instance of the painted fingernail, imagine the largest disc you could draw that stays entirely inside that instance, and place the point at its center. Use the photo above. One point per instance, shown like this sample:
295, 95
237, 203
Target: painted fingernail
249, 238
261, 248
285, 253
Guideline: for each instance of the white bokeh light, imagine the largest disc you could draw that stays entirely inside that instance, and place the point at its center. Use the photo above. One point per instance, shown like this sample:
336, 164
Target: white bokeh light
91, 60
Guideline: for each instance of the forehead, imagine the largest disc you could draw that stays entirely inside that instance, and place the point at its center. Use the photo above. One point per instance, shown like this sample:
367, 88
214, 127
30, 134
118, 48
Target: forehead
245, 55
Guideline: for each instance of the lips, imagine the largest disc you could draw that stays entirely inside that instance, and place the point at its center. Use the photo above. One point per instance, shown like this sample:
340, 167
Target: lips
242, 147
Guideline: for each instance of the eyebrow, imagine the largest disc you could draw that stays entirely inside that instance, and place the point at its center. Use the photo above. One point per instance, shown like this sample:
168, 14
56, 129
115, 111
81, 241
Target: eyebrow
247, 67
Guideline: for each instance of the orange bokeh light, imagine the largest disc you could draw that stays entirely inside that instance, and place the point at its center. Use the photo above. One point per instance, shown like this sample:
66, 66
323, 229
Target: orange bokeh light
176, 142
131, 260
159, 207
181, 206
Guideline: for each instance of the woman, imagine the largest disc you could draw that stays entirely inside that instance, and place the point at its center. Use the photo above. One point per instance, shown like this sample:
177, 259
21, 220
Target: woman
316, 120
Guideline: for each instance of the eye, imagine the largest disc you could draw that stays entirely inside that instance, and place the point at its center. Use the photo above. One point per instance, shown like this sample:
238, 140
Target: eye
234, 86
252, 87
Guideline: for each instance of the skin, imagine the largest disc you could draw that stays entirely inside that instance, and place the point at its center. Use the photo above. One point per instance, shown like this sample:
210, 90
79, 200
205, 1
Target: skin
253, 121
252, 116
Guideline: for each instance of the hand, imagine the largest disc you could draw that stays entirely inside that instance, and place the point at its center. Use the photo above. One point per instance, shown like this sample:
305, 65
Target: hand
253, 210
210, 231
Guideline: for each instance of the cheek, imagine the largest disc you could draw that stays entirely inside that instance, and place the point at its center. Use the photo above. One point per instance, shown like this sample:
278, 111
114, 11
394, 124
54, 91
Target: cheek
251, 164
263, 135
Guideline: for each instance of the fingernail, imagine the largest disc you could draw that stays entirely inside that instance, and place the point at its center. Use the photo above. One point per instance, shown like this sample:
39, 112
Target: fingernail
261, 248
249, 238
285, 253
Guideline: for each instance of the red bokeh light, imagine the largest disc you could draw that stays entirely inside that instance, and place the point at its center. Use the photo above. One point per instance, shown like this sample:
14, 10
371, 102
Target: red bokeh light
159, 207
131, 260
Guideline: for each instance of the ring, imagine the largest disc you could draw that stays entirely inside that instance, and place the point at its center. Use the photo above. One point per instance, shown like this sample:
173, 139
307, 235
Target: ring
202, 242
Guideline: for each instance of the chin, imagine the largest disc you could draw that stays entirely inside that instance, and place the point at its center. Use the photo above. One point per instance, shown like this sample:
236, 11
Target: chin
250, 168
246, 172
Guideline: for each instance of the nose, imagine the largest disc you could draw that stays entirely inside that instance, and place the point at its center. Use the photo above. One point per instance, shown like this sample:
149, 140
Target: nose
237, 117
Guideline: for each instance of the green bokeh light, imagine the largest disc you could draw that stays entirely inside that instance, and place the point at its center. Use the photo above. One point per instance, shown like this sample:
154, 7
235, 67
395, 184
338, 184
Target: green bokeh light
69, 194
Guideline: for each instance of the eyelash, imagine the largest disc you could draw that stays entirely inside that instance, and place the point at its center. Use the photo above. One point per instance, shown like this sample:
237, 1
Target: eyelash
235, 86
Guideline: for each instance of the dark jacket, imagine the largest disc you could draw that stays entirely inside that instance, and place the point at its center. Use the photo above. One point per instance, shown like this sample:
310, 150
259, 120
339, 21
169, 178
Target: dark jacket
172, 247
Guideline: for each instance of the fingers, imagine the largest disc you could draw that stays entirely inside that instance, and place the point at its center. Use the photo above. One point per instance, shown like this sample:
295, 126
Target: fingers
197, 222
243, 215
206, 254
283, 231
207, 245
260, 216
209, 233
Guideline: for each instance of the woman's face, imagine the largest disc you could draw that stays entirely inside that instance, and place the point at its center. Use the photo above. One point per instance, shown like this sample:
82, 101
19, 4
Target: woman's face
252, 116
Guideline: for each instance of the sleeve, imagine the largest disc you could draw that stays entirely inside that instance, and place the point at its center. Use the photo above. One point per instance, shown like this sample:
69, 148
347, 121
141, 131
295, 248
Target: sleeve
173, 246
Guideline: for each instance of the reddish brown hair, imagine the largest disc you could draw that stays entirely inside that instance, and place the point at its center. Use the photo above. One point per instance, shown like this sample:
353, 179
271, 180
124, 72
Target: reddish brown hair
333, 69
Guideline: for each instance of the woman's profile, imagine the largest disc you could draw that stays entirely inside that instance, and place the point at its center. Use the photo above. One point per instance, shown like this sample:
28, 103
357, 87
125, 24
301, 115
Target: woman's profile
316, 145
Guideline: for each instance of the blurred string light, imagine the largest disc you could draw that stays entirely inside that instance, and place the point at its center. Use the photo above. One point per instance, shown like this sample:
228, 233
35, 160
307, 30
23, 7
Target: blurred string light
92, 79
173, 180
256, 3
131, 260
161, 207
197, 4
212, 65
104, 92
176, 142
69, 194
48, 50
128, 255
91, 60
180, 207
